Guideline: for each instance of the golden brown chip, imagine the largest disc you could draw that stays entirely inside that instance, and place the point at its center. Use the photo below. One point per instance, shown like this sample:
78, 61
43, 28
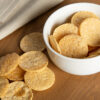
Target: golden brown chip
4, 84
33, 61
54, 44
8, 63
64, 29
18, 91
73, 46
80, 16
90, 31
94, 53
40, 81
32, 42
16, 75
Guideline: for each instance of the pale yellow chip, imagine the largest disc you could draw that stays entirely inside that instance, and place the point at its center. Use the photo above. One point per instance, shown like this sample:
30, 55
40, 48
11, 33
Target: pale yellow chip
90, 31
78, 17
54, 44
94, 53
32, 42
40, 81
4, 84
73, 46
18, 91
33, 61
8, 63
65, 29
16, 75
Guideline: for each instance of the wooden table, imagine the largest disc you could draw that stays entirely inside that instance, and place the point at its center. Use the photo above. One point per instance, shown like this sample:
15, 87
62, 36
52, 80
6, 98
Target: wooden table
67, 87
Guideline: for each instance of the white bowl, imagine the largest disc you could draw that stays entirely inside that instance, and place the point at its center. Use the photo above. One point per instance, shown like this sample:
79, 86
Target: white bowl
71, 65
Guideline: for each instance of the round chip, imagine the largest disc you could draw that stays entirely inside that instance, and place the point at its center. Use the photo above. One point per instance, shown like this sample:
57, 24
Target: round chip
16, 75
18, 91
73, 46
54, 44
33, 61
80, 16
8, 63
65, 29
32, 42
90, 31
40, 81
94, 53
4, 84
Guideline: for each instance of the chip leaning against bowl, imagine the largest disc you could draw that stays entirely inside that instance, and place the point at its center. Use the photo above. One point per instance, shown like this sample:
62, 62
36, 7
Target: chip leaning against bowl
75, 39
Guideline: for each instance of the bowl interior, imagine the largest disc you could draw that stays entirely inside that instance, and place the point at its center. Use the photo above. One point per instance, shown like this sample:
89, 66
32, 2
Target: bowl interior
61, 15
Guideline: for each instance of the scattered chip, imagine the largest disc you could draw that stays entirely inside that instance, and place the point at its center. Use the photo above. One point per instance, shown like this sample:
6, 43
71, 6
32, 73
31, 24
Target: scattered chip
33, 61
64, 29
40, 81
18, 91
54, 44
8, 63
90, 31
16, 75
32, 42
73, 46
4, 84
94, 53
80, 16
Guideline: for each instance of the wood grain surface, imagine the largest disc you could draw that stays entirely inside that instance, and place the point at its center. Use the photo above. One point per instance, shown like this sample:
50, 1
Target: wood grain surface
66, 87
